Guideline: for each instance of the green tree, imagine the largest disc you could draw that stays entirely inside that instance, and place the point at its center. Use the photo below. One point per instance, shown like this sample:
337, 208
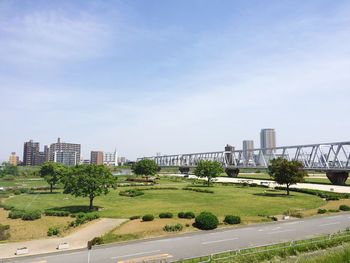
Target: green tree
89, 181
52, 173
145, 167
286, 172
208, 169
8, 169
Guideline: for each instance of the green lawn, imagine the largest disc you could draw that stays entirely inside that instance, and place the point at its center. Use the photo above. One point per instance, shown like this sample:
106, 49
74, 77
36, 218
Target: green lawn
232, 199
23, 182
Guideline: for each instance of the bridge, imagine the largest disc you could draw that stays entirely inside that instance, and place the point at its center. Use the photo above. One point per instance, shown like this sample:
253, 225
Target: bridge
332, 158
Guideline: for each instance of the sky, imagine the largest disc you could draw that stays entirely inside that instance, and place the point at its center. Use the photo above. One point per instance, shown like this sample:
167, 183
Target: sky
173, 76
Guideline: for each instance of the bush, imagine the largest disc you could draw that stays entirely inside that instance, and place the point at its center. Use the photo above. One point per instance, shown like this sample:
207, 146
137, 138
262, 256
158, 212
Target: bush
31, 215
321, 211
15, 214
206, 221
134, 217
4, 232
173, 228
53, 231
181, 215
147, 217
189, 215
56, 213
322, 194
333, 210
17, 192
166, 215
199, 190
231, 219
7, 207
131, 193
96, 241
82, 218
344, 208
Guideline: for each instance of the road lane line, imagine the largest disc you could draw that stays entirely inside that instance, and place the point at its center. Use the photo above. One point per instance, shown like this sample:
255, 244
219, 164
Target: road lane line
282, 231
293, 223
330, 224
276, 228
136, 254
218, 241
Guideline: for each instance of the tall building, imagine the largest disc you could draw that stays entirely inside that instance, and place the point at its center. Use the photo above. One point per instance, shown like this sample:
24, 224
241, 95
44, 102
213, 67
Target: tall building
248, 153
14, 159
267, 140
31, 153
96, 157
46, 153
65, 153
111, 158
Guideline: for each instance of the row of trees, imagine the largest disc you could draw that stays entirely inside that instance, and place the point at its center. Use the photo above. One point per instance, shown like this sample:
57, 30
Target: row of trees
81, 180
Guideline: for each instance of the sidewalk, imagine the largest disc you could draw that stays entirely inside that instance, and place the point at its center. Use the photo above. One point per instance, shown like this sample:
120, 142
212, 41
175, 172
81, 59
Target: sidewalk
75, 240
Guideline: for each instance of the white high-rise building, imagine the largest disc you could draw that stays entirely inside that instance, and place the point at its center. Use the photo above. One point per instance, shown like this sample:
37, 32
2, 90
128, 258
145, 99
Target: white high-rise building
110, 158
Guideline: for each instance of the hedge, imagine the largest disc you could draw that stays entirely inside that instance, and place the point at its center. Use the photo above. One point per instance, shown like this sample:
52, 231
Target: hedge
173, 228
199, 190
131, 193
344, 208
322, 194
231, 219
166, 215
56, 213
148, 217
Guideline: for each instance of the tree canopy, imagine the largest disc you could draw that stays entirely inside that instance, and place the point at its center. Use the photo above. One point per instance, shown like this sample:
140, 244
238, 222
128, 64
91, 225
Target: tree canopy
52, 173
89, 181
8, 169
208, 169
286, 172
145, 167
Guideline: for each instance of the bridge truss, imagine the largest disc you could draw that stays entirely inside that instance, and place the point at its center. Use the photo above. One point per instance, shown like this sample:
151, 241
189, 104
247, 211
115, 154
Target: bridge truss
325, 156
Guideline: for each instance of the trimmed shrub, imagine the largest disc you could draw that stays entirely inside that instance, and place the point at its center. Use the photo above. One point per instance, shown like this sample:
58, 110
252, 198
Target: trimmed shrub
173, 228
17, 192
82, 218
181, 215
344, 208
184, 169
166, 215
31, 215
321, 211
333, 210
7, 207
231, 219
206, 221
147, 217
4, 232
131, 193
189, 215
53, 231
134, 217
56, 213
15, 214
322, 194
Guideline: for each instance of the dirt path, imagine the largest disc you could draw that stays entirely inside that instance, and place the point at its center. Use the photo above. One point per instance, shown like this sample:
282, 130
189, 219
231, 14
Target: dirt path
75, 240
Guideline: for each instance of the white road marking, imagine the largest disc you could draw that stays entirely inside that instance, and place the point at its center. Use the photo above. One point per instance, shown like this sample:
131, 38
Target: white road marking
282, 231
276, 228
293, 223
136, 254
218, 241
329, 224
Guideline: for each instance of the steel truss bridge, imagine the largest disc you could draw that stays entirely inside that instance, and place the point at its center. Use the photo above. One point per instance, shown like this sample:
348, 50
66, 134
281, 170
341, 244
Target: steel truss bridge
333, 158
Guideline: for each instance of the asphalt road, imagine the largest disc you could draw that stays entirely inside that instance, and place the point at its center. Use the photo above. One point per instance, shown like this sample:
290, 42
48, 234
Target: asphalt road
202, 243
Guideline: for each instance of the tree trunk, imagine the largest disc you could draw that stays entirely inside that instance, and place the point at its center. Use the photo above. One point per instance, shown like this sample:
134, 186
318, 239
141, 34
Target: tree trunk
287, 189
91, 202
51, 187
208, 181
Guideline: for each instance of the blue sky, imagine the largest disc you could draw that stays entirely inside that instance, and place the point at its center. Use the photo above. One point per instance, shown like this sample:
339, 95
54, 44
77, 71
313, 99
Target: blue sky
173, 76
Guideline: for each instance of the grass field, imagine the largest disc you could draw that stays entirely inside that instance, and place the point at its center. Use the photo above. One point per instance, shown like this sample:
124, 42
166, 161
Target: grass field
232, 199
23, 182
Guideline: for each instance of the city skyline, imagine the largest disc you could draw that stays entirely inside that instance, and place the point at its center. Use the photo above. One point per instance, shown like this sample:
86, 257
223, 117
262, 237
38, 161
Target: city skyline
149, 77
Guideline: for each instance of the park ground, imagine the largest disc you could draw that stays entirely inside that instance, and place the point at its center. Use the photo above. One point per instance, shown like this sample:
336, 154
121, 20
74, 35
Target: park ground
252, 204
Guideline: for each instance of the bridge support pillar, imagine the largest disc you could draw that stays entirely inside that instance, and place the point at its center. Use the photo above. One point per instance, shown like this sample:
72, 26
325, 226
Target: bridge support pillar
337, 177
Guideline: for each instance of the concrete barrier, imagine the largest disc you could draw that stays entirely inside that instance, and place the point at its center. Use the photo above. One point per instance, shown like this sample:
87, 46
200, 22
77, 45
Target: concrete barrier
22, 251
63, 246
